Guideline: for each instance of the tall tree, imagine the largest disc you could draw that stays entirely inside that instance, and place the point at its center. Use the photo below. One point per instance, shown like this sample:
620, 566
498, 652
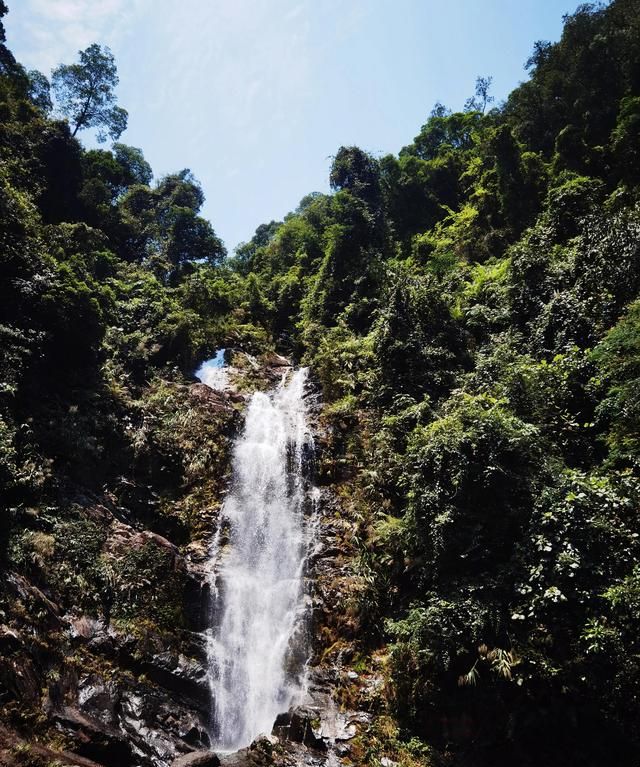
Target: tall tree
482, 98
8, 63
40, 90
85, 93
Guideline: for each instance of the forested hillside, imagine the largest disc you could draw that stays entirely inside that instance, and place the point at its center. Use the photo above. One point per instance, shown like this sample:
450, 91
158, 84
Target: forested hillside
470, 312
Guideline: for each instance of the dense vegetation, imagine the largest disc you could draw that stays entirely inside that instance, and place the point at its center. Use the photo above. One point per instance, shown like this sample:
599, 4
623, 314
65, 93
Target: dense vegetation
471, 310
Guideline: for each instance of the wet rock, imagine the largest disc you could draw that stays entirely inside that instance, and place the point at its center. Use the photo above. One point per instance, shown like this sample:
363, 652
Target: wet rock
84, 628
123, 538
20, 678
239, 759
197, 552
95, 740
211, 398
259, 754
99, 699
301, 724
281, 725
180, 674
193, 734
159, 726
197, 759
197, 596
95, 634
98, 513
147, 536
62, 689
194, 645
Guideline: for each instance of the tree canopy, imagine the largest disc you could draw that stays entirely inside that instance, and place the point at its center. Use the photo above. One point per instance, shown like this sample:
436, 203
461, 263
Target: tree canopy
84, 93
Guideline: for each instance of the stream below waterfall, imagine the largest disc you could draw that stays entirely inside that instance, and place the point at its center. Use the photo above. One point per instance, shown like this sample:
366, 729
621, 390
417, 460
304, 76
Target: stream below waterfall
257, 644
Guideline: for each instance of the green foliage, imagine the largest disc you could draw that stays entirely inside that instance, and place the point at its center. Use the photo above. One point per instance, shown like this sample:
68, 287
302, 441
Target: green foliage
136, 169
626, 138
570, 200
445, 132
357, 172
580, 80
426, 645
40, 90
342, 362
618, 360
481, 98
349, 272
417, 342
175, 443
148, 583
570, 294
470, 311
68, 556
470, 477
84, 93
165, 231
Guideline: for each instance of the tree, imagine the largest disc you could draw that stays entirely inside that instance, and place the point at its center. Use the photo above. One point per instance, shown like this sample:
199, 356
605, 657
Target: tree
137, 170
478, 103
439, 110
444, 132
626, 139
170, 234
85, 93
358, 172
7, 62
40, 90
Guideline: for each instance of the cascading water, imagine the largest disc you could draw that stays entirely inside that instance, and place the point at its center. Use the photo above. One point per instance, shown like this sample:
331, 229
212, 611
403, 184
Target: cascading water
256, 650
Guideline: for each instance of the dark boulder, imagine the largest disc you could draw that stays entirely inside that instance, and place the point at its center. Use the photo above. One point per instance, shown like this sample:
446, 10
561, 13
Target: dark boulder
185, 676
197, 759
259, 754
300, 725
95, 740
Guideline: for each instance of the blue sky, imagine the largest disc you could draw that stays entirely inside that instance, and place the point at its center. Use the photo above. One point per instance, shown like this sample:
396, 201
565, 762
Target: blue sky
255, 96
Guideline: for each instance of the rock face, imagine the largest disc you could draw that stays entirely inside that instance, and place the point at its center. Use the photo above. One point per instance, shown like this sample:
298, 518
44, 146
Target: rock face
117, 698
197, 759
94, 739
147, 721
259, 754
137, 722
300, 724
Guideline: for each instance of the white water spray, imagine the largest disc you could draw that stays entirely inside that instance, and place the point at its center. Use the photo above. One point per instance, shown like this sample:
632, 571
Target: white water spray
256, 653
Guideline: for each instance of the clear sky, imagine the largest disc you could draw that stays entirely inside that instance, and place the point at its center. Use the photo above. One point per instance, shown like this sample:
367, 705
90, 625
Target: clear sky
256, 95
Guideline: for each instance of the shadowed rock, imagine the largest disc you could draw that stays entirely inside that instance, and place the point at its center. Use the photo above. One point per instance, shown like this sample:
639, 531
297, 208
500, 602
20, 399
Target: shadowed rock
197, 759
300, 725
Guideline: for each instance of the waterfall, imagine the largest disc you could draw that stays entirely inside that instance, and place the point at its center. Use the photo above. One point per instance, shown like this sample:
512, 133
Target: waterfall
256, 650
